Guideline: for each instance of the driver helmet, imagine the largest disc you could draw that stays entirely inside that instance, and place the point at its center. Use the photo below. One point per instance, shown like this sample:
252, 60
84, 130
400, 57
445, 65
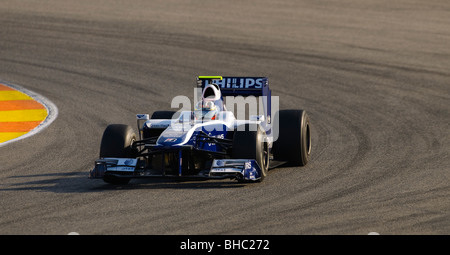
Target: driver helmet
205, 110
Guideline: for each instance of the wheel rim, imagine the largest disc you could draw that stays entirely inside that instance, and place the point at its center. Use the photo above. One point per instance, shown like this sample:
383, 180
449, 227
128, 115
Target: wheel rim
265, 158
308, 139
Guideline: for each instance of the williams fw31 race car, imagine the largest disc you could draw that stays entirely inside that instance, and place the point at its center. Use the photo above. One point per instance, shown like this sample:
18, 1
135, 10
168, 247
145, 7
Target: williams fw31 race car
208, 142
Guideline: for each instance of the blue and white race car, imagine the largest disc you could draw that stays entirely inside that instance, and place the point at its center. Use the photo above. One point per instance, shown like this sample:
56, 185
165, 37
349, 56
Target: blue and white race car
208, 142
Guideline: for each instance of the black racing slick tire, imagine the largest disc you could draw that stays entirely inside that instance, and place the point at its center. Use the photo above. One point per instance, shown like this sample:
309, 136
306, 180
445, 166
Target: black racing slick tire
251, 144
294, 137
117, 142
159, 115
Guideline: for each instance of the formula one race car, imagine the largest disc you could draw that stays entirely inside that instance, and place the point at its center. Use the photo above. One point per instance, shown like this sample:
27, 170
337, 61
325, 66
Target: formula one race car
208, 142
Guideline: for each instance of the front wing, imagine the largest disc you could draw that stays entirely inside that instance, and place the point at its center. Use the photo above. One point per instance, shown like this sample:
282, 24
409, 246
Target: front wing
240, 169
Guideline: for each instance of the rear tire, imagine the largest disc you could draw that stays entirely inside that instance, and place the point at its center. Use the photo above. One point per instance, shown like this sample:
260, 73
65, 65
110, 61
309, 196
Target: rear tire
156, 132
117, 142
252, 145
159, 115
294, 137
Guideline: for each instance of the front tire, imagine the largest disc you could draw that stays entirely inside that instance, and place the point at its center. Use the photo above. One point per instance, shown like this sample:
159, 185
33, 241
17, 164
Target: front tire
117, 142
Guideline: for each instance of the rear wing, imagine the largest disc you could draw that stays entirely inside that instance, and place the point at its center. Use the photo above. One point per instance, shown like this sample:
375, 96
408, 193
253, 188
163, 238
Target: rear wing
242, 86
237, 86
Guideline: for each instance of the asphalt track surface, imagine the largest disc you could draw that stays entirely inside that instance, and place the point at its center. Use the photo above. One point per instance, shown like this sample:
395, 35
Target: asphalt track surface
374, 77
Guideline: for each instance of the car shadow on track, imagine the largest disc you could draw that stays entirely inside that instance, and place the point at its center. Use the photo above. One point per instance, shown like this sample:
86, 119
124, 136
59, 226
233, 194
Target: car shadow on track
170, 184
78, 182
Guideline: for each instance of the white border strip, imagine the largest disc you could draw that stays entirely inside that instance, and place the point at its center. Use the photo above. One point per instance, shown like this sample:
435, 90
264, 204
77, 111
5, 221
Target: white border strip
52, 112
